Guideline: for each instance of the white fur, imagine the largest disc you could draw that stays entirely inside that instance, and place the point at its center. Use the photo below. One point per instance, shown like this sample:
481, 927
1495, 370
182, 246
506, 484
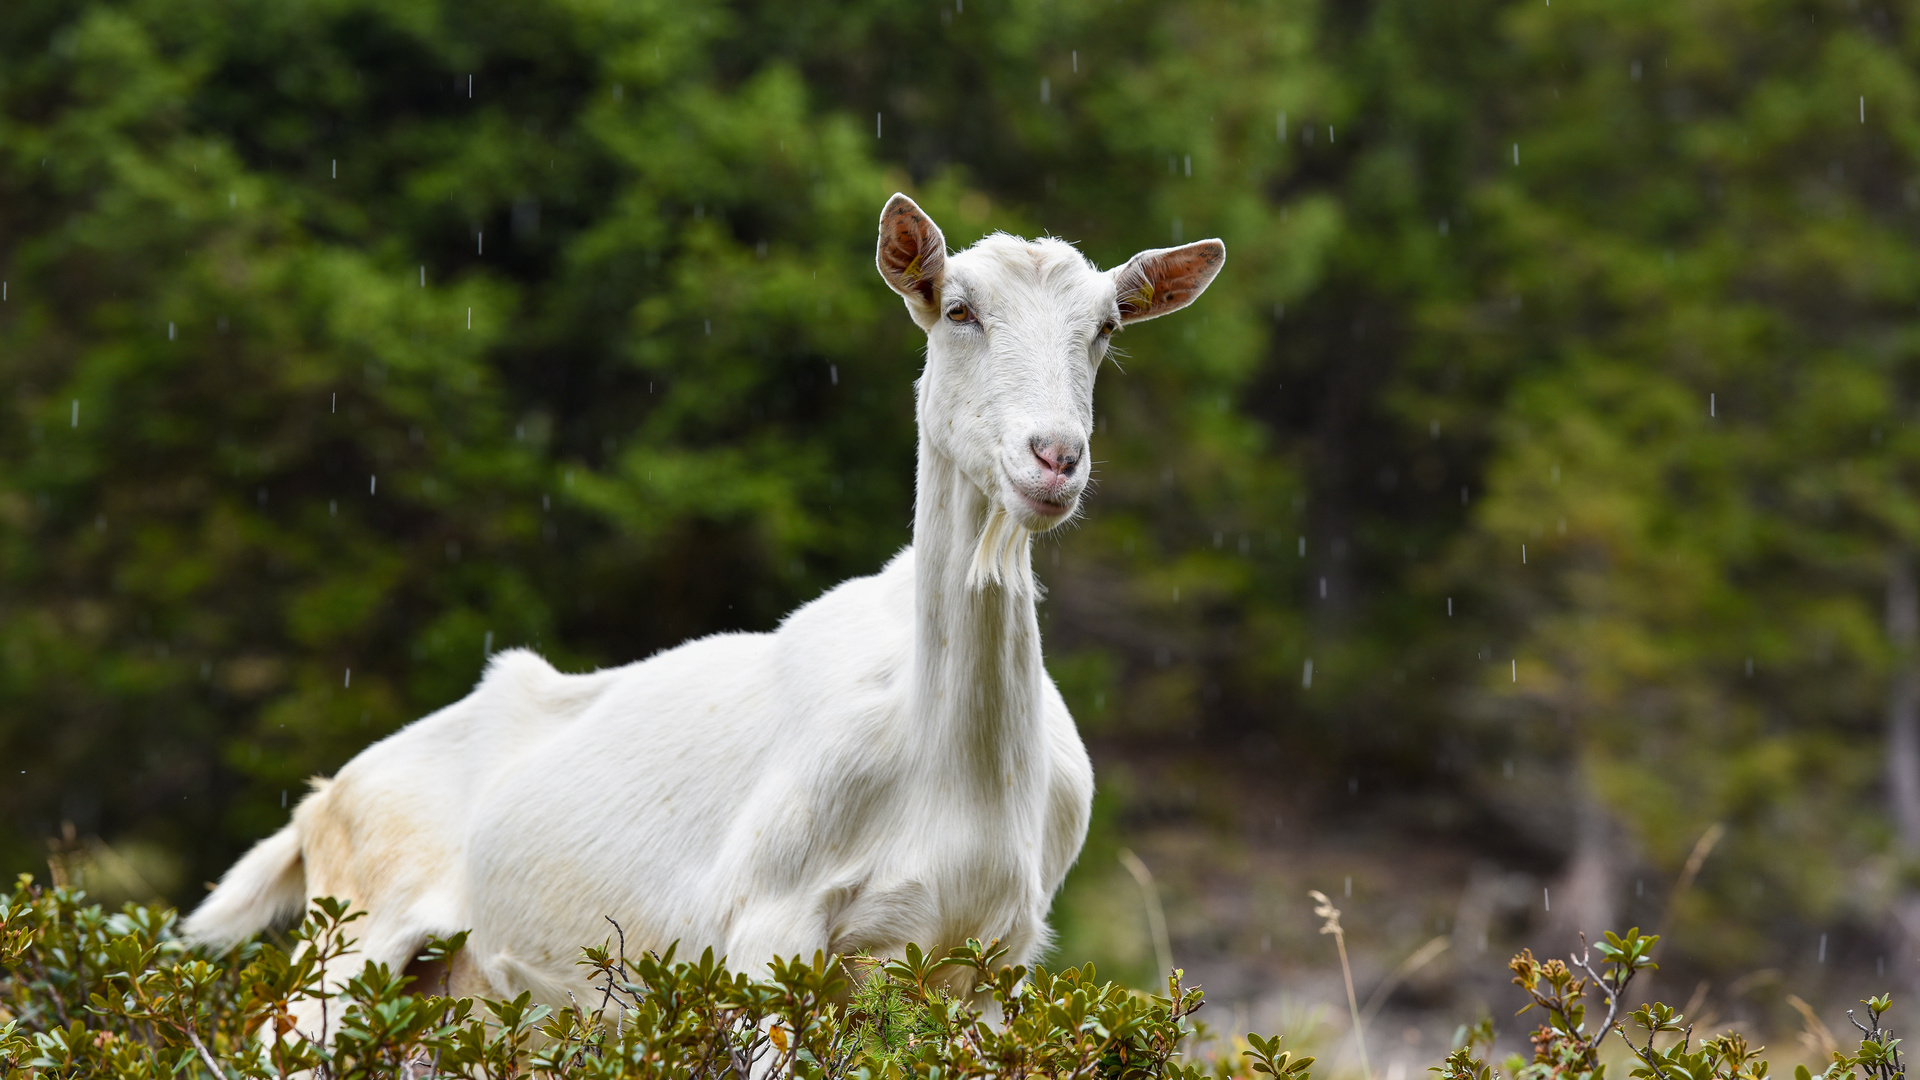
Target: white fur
892, 764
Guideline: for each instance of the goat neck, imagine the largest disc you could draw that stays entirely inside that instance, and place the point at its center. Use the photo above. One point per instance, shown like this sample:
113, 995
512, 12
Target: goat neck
977, 662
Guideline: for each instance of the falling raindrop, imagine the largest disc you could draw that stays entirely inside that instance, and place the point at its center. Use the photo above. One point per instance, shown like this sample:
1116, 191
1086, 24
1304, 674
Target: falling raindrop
1353, 785
1046, 90
348, 682
1823, 949
169, 331
1323, 588
1076, 61
486, 647
876, 125
1449, 607
1516, 670
336, 169
1280, 127
833, 374
75, 421
1516, 153
423, 276
1546, 899
373, 484
1303, 547
1306, 675
1188, 164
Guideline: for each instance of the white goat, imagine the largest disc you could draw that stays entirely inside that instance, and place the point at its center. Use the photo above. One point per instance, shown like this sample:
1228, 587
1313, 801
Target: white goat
891, 765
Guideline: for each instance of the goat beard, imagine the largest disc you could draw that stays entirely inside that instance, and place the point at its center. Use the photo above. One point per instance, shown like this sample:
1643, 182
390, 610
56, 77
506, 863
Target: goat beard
1003, 556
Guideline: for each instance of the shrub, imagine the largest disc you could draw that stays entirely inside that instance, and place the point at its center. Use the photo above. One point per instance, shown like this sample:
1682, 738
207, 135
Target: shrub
86, 993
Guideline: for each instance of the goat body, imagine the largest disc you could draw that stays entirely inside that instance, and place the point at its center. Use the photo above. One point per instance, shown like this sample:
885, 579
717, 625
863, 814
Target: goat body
891, 765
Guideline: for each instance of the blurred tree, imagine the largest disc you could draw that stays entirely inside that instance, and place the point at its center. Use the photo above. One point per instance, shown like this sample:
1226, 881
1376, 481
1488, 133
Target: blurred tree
1699, 225
348, 343
1553, 411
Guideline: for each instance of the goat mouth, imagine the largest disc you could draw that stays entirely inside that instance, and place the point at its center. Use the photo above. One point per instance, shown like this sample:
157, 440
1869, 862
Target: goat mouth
1043, 508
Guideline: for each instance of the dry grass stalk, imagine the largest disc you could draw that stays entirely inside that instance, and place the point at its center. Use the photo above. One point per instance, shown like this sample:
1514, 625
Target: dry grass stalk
1324, 908
1156, 915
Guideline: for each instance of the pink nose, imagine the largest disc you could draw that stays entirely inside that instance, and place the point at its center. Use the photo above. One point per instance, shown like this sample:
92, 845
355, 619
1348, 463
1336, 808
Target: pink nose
1057, 460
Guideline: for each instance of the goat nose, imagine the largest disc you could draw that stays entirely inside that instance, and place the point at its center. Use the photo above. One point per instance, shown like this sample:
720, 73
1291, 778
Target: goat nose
1055, 455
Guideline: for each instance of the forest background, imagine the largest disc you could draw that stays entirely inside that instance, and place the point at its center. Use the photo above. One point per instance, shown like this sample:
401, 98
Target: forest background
1517, 538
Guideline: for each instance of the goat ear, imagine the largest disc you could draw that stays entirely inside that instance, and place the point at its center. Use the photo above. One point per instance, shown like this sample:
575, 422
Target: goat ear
912, 256
1153, 283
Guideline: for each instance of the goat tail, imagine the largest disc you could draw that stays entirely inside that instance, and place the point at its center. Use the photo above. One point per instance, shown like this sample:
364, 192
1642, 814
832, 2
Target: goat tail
266, 887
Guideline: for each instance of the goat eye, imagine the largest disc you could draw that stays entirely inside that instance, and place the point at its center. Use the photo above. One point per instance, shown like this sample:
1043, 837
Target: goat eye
1106, 328
959, 313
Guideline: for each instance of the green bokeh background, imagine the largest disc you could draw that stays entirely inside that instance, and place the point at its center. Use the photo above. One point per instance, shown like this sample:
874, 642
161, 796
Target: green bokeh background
1556, 402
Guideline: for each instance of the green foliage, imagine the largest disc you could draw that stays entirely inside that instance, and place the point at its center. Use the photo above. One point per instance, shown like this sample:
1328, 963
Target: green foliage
1270, 1060
1878, 1057
896, 1015
1705, 444
87, 993
1466, 1062
1565, 1044
316, 396
371, 336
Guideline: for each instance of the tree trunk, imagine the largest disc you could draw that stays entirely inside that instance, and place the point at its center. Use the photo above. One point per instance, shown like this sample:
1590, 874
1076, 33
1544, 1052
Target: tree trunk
1903, 699
1583, 895
1903, 745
